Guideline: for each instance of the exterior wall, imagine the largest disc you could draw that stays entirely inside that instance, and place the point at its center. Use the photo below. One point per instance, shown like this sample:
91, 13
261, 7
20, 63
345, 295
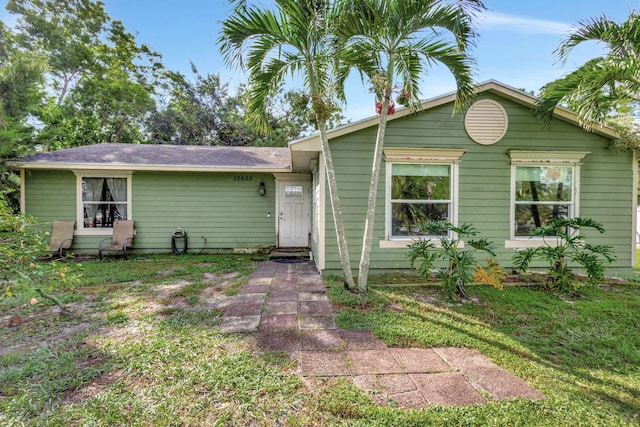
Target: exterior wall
228, 212
606, 181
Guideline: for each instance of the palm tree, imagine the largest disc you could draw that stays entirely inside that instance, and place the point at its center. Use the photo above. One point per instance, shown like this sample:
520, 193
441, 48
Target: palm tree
603, 85
389, 40
271, 45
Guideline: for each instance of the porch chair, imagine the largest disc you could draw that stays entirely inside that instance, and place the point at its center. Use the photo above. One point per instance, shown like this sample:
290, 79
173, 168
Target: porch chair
121, 239
61, 236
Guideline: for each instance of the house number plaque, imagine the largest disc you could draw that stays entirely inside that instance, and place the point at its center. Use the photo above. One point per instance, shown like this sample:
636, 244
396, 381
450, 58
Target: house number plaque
243, 178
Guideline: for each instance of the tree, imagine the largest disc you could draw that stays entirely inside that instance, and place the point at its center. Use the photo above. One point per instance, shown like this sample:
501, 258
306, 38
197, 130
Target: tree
21, 79
270, 45
605, 89
100, 81
201, 111
390, 40
197, 112
69, 31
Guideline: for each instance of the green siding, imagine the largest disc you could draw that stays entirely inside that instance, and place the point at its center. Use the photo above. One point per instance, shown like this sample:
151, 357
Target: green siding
230, 214
606, 181
50, 195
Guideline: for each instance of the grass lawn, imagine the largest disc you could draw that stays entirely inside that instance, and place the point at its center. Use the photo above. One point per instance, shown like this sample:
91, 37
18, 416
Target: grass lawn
143, 347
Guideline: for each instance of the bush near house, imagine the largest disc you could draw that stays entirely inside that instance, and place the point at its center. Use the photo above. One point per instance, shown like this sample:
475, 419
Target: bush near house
565, 243
461, 263
23, 274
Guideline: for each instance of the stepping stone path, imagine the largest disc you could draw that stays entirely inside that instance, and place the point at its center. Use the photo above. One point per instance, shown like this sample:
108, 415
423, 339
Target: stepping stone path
287, 306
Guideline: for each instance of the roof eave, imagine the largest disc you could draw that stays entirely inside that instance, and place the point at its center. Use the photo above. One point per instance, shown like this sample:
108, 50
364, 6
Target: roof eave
528, 100
150, 168
312, 142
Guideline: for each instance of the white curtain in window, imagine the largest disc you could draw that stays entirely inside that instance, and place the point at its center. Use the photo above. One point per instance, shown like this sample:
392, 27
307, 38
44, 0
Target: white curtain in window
118, 189
91, 192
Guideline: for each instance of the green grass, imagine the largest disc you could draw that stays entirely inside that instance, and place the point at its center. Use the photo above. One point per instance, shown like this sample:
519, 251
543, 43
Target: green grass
143, 347
583, 352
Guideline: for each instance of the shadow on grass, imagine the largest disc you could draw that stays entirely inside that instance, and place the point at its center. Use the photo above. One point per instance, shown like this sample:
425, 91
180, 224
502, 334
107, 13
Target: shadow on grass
406, 317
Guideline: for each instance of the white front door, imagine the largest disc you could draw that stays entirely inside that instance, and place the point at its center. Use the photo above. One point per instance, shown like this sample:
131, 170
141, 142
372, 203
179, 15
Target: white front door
293, 214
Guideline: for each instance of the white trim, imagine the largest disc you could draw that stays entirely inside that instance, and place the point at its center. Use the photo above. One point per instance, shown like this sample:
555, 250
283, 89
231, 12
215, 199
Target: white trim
404, 243
423, 155
539, 159
292, 176
321, 257
526, 157
442, 157
23, 192
80, 174
634, 222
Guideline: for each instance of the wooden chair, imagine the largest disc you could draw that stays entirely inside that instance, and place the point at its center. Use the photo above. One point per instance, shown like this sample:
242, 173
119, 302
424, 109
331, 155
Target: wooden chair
61, 236
121, 239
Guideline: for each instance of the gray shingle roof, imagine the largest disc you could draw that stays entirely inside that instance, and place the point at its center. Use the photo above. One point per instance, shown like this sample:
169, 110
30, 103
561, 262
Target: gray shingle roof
163, 156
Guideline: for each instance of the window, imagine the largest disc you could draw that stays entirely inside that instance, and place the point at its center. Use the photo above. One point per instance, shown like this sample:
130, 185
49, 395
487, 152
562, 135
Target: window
419, 193
102, 199
421, 187
544, 187
293, 192
542, 194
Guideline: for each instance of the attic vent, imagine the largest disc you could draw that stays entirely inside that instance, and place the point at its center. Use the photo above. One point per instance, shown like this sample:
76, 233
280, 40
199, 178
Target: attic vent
486, 122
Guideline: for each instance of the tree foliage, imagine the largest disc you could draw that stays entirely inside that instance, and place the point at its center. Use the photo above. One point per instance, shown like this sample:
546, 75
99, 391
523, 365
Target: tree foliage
392, 43
24, 275
605, 89
296, 37
21, 78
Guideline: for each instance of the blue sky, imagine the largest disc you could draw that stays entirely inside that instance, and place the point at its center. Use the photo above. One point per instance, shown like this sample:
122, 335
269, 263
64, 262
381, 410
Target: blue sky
516, 44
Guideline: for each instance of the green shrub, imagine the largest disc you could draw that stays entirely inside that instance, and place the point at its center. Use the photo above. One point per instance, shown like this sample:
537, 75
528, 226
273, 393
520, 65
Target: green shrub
461, 263
564, 244
23, 274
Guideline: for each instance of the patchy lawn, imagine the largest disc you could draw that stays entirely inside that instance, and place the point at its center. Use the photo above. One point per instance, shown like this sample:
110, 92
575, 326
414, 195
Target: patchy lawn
143, 347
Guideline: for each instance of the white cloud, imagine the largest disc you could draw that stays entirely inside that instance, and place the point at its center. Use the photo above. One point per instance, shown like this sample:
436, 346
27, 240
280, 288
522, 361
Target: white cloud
491, 20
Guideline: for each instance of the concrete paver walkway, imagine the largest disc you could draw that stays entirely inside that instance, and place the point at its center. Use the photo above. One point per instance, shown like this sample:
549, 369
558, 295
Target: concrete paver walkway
286, 304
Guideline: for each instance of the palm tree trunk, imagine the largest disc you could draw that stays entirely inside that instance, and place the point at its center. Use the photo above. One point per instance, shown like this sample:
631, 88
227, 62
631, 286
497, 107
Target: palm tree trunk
367, 238
336, 209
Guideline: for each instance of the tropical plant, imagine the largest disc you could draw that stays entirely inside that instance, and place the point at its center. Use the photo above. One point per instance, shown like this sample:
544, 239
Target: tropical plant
461, 263
564, 243
271, 45
23, 274
605, 87
390, 40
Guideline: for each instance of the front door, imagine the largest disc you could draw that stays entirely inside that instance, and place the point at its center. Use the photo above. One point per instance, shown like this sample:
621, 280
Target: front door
293, 214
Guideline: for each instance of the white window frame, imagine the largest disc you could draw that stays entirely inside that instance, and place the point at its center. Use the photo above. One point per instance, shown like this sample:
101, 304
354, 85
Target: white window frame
432, 156
81, 230
570, 159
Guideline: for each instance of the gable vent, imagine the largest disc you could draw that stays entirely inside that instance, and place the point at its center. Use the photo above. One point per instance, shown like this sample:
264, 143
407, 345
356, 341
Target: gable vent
486, 122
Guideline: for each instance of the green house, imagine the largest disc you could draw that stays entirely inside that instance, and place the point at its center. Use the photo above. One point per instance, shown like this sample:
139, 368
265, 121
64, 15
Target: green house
495, 166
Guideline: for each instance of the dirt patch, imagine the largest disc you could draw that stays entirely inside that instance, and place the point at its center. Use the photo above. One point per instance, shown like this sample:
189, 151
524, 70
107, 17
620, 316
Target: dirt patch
168, 291
94, 388
221, 278
43, 328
